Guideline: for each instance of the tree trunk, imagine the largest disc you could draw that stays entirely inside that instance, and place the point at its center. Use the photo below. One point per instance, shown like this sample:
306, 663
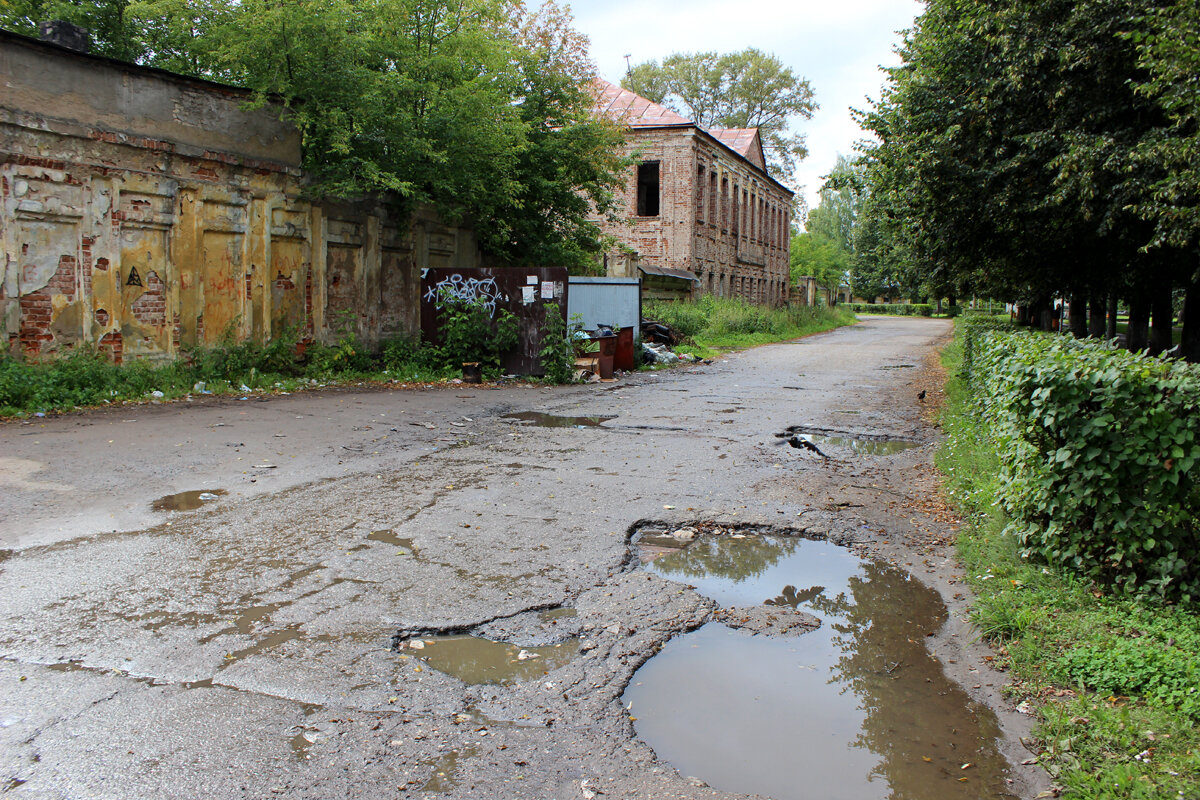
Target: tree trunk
1138, 335
1163, 309
1110, 326
1096, 315
1190, 340
1078, 315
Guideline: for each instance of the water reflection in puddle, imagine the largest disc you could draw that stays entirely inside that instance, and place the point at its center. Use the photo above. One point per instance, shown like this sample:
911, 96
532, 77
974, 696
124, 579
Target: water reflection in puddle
857, 709
475, 660
864, 447
542, 420
187, 501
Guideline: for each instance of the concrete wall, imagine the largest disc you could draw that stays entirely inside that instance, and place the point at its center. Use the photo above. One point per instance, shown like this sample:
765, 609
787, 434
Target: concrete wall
720, 217
145, 212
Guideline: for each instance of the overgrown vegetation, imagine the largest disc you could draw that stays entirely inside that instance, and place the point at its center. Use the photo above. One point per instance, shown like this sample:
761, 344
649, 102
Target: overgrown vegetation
86, 377
1100, 448
1113, 677
711, 324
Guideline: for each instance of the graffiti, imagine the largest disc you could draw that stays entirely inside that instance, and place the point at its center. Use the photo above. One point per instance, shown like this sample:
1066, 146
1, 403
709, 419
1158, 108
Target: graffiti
456, 288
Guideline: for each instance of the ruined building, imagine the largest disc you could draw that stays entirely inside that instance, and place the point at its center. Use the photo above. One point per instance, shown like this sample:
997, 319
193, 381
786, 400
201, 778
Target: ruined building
144, 212
703, 214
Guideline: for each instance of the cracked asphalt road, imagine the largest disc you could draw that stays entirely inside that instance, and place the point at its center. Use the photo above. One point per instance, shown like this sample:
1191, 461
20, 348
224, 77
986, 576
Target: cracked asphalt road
248, 648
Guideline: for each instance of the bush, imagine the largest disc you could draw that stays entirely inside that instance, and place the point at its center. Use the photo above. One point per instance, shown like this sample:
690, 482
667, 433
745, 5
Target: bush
558, 345
469, 333
899, 309
1098, 456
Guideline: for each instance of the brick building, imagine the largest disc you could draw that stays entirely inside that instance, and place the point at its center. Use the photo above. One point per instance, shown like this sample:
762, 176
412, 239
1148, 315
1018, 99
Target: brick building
702, 211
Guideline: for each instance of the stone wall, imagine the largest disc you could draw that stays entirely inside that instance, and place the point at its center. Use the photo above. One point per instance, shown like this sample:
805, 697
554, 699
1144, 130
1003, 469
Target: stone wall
144, 212
719, 216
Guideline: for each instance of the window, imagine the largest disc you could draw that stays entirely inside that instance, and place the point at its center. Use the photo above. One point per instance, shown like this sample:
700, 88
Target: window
647, 189
701, 175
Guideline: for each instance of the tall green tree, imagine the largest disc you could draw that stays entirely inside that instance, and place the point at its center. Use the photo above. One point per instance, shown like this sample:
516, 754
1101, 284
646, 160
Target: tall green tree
1006, 161
748, 89
480, 108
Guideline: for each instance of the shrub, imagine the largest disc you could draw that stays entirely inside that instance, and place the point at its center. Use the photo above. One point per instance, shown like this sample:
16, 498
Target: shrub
1099, 451
469, 333
898, 309
558, 345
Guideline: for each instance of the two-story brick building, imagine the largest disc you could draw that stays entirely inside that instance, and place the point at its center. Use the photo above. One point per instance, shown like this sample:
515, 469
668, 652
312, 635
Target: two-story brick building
701, 209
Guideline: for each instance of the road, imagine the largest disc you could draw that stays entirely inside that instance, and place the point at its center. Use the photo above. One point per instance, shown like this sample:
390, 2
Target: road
261, 645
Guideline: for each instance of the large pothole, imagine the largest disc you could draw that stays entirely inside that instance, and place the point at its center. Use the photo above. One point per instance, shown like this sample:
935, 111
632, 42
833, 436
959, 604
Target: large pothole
856, 709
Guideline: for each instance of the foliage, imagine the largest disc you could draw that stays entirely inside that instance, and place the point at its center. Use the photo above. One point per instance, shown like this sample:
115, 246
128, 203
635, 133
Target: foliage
817, 256
896, 309
1026, 150
558, 345
479, 108
1100, 450
713, 322
750, 89
469, 332
1130, 730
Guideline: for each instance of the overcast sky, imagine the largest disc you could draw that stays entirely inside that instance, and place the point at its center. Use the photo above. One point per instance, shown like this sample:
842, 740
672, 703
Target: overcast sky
838, 45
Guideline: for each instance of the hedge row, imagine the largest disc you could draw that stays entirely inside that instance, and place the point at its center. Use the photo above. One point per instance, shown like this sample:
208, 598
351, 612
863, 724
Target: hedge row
1099, 450
901, 309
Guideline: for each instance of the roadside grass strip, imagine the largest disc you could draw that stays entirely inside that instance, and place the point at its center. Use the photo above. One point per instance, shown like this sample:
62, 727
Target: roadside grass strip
1106, 661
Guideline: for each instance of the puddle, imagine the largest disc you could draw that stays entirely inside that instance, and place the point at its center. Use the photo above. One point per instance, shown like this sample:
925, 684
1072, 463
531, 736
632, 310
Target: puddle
857, 709
187, 501
301, 745
445, 771
864, 446
561, 612
475, 660
541, 420
390, 537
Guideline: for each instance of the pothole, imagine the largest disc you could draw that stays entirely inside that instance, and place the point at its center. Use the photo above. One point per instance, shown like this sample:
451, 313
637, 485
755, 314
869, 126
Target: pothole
855, 709
475, 660
541, 420
862, 446
866, 444
187, 501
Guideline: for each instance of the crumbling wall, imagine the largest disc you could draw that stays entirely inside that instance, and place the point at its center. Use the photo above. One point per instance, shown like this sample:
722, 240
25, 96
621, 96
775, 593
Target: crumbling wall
144, 245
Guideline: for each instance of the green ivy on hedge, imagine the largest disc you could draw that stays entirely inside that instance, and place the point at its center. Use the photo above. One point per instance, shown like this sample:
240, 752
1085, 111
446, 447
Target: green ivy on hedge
1099, 450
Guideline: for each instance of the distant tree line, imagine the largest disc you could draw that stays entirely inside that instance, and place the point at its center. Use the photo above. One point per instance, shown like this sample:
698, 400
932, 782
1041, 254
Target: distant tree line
1029, 151
480, 108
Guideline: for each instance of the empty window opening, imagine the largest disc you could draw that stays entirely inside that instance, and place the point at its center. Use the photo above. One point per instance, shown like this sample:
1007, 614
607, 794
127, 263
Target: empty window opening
647, 189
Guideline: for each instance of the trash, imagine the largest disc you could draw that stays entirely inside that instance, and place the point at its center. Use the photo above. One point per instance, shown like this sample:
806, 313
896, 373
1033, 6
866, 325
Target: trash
157, 393
245, 388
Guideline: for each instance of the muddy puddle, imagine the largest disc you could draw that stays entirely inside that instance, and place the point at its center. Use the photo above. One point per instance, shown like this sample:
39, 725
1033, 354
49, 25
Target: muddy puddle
187, 501
857, 709
541, 420
475, 660
390, 537
863, 446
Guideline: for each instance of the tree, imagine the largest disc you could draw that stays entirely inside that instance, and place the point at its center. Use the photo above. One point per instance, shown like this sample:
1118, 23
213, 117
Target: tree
480, 108
1007, 161
750, 89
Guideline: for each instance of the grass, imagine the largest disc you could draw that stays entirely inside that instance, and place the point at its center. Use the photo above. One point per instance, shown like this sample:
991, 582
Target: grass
1114, 682
712, 325
85, 377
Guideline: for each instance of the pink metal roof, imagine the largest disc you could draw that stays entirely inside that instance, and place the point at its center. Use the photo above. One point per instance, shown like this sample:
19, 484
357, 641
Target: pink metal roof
626, 108
744, 141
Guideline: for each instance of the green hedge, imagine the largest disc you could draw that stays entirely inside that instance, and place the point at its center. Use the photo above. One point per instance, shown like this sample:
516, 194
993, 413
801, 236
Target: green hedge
1099, 450
900, 309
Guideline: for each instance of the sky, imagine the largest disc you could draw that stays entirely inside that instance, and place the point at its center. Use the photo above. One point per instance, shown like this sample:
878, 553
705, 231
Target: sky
837, 45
